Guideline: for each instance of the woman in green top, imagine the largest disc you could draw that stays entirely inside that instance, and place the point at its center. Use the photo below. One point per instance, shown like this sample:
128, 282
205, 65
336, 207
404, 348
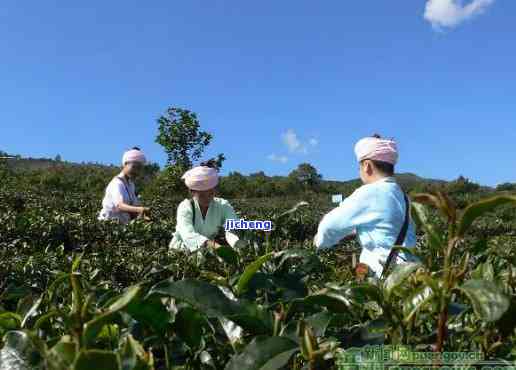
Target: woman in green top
201, 219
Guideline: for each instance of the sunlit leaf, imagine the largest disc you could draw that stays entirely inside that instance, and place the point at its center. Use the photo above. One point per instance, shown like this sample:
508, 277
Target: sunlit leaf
232, 330
484, 271
249, 272
212, 302
32, 312
433, 200
18, 352
205, 297
417, 301
398, 276
293, 210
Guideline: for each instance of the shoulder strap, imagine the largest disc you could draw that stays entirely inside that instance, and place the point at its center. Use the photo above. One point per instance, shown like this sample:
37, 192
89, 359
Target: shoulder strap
403, 232
192, 203
401, 236
126, 186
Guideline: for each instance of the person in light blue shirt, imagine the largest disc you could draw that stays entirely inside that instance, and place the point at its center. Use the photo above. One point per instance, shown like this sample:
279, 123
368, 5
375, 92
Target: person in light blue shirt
375, 211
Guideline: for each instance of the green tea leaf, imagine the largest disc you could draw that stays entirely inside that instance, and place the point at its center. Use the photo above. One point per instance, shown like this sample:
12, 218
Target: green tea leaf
398, 276
126, 298
190, 326
319, 322
439, 201
420, 214
212, 302
227, 254
134, 357
32, 312
62, 355
417, 301
249, 272
18, 352
97, 359
150, 312
204, 297
94, 327
484, 271
264, 353
489, 302
475, 210
9, 321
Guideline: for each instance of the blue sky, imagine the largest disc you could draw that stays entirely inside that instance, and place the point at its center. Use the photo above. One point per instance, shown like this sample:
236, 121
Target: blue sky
276, 82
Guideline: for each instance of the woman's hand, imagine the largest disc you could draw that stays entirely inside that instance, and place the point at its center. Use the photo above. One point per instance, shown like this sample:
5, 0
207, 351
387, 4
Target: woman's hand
145, 214
212, 244
133, 209
144, 211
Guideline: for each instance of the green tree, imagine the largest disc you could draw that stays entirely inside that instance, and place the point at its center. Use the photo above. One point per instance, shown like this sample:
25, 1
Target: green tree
149, 172
234, 185
184, 142
507, 186
462, 186
307, 176
261, 185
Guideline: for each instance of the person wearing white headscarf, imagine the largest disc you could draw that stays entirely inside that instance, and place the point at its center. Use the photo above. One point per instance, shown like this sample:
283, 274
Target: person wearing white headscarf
375, 212
200, 220
120, 201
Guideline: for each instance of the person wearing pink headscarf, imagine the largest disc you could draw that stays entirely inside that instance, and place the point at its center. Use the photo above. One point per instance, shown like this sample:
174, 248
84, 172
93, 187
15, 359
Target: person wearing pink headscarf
200, 220
120, 201
378, 212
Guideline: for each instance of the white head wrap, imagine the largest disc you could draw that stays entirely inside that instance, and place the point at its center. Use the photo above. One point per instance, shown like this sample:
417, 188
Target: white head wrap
201, 178
378, 149
133, 155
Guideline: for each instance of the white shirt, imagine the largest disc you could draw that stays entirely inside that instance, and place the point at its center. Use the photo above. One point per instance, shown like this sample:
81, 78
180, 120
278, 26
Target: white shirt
119, 190
191, 236
377, 212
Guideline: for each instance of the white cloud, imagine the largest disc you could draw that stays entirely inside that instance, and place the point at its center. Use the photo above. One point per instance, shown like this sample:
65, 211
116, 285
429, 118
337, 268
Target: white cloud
291, 141
450, 13
294, 144
278, 158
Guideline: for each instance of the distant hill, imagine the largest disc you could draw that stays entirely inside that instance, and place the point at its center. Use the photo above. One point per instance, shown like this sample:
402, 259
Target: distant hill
407, 180
18, 163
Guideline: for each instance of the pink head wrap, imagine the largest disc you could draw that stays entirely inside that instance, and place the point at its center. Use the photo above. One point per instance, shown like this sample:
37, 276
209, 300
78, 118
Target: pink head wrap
377, 149
201, 178
133, 155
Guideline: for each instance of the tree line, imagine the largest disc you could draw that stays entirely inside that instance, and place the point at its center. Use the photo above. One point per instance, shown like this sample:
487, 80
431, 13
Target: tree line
184, 142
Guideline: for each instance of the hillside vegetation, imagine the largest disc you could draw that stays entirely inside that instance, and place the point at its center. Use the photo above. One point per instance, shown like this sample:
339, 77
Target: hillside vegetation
76, 293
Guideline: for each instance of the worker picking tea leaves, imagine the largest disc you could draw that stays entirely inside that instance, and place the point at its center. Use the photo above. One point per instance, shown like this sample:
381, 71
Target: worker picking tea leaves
378, 212
201, 219
120, 201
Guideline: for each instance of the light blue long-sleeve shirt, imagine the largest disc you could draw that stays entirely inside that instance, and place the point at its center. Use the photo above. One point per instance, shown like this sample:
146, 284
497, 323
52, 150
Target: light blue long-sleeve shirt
377, 212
